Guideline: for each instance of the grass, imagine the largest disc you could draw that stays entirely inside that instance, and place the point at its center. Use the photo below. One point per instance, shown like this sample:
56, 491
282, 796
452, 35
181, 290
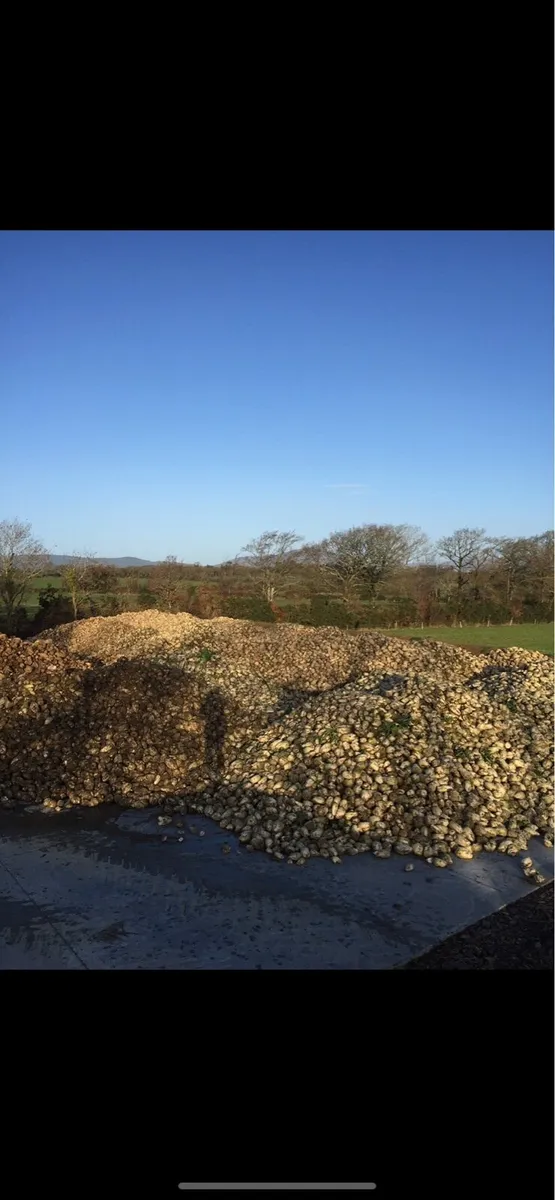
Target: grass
41, 582
529, 637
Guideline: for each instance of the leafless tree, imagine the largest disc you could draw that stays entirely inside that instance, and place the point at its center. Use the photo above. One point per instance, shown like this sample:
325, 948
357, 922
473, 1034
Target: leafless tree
76, 576
513, 562
468, 551
541, 566
22, 558
270, 556
165, 582
362, 557
227, 575
103, 578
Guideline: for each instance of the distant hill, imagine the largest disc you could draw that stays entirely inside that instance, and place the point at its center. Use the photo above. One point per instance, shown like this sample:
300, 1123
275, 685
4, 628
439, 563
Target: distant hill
58, 560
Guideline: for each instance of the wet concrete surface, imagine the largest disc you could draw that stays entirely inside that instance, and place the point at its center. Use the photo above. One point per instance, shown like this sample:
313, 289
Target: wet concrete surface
100, 889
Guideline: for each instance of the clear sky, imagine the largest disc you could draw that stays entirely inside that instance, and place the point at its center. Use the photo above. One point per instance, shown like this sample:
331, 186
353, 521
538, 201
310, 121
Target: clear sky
180, 392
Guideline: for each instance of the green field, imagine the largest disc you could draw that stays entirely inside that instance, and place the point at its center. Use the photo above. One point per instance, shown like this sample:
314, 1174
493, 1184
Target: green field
41, 582
529, 637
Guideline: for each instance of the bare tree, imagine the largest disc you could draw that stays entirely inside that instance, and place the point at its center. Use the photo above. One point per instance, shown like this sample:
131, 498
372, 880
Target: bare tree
468, 550
542, 565
165, 582
270, 555
103, 578
22, 558
227, 574
362, 557
513, 561
76, 576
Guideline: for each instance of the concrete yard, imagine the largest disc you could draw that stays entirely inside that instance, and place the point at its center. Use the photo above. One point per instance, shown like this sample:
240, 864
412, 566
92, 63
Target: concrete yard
99, 889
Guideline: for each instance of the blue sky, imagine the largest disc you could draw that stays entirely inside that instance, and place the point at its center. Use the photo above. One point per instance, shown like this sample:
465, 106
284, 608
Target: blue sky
180, 392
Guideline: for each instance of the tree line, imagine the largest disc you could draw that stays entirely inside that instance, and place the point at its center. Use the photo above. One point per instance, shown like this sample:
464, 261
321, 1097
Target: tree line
376, 575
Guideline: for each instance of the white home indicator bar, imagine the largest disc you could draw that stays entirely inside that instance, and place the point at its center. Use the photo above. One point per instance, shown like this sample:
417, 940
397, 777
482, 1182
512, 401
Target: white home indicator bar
277, 1187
